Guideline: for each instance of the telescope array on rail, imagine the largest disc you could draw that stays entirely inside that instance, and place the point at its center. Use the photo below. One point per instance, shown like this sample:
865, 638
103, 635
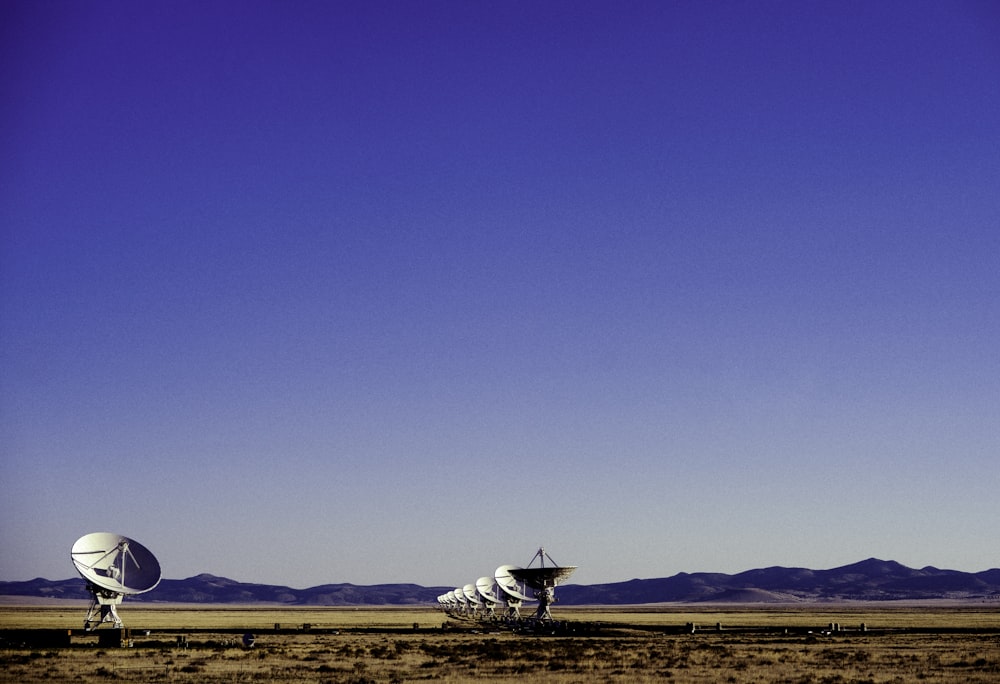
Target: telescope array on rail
501, 597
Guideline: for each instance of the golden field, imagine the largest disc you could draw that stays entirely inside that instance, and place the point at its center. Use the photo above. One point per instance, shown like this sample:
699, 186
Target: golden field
69, 614
936, 642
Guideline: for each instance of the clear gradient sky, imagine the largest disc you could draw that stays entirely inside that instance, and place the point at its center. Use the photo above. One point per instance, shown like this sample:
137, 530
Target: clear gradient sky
313, 292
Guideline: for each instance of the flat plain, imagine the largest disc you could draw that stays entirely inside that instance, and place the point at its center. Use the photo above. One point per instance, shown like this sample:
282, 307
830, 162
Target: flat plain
823, 643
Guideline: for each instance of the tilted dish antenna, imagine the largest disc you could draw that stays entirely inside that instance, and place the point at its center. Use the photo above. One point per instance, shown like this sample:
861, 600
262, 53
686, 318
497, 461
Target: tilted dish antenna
460, 601
471, 597
511, 591
114, 567
543, 580
486, 587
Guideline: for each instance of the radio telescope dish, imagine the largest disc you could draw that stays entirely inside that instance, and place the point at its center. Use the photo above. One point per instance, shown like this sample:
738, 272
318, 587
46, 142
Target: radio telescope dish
484, 585
543, 580
114, 567
471, 596
511, 592
115, 563
508, 585
446, 600
460, 601
539, 578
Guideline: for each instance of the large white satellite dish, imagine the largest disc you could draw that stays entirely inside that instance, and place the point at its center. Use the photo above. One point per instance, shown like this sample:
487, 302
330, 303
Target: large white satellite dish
485, 585
471, 598
543, 580
114, 567
510, 590
508, 585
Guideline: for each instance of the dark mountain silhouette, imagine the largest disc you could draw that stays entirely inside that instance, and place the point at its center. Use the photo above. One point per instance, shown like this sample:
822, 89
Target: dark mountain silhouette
869, 580
207, 588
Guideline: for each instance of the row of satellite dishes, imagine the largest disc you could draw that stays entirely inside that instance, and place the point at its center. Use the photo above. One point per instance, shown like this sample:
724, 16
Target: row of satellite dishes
115, 567
508, 586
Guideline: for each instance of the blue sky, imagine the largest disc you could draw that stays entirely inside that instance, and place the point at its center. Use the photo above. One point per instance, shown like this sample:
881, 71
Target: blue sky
374, 292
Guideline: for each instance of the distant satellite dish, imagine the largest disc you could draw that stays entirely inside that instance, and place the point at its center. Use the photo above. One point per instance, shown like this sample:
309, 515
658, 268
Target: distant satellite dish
508, 585
543, 580
449, 601
484, 585
114, 567
511, 591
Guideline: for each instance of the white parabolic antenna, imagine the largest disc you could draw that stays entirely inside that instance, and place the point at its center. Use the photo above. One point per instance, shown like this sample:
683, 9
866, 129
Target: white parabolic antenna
460, 599
470, 594
114, 567
505, 580
543, 580
484, 585
511, 591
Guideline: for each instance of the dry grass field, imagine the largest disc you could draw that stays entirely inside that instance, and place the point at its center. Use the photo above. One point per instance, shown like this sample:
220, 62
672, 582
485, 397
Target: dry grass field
939, 643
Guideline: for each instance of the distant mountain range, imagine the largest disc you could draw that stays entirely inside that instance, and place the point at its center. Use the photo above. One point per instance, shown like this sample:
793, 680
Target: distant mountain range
869, 580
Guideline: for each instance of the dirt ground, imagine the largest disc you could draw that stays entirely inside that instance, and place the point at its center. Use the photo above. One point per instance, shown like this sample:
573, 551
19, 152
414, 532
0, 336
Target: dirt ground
944, 644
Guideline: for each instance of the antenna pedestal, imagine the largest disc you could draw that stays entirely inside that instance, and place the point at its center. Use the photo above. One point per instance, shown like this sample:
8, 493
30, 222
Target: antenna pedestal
546, 597
513, 608
103, 604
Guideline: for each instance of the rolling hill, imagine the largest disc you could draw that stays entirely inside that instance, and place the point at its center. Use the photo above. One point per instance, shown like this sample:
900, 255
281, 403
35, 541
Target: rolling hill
869, 580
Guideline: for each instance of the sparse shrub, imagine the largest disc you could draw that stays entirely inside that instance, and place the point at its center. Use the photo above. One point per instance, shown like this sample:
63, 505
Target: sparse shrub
194, 666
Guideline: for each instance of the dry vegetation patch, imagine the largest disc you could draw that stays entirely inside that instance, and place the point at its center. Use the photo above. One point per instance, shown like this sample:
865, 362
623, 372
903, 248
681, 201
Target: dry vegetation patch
352, 648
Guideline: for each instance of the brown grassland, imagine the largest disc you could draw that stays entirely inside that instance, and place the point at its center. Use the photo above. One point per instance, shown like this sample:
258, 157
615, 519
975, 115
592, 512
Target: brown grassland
766, 643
